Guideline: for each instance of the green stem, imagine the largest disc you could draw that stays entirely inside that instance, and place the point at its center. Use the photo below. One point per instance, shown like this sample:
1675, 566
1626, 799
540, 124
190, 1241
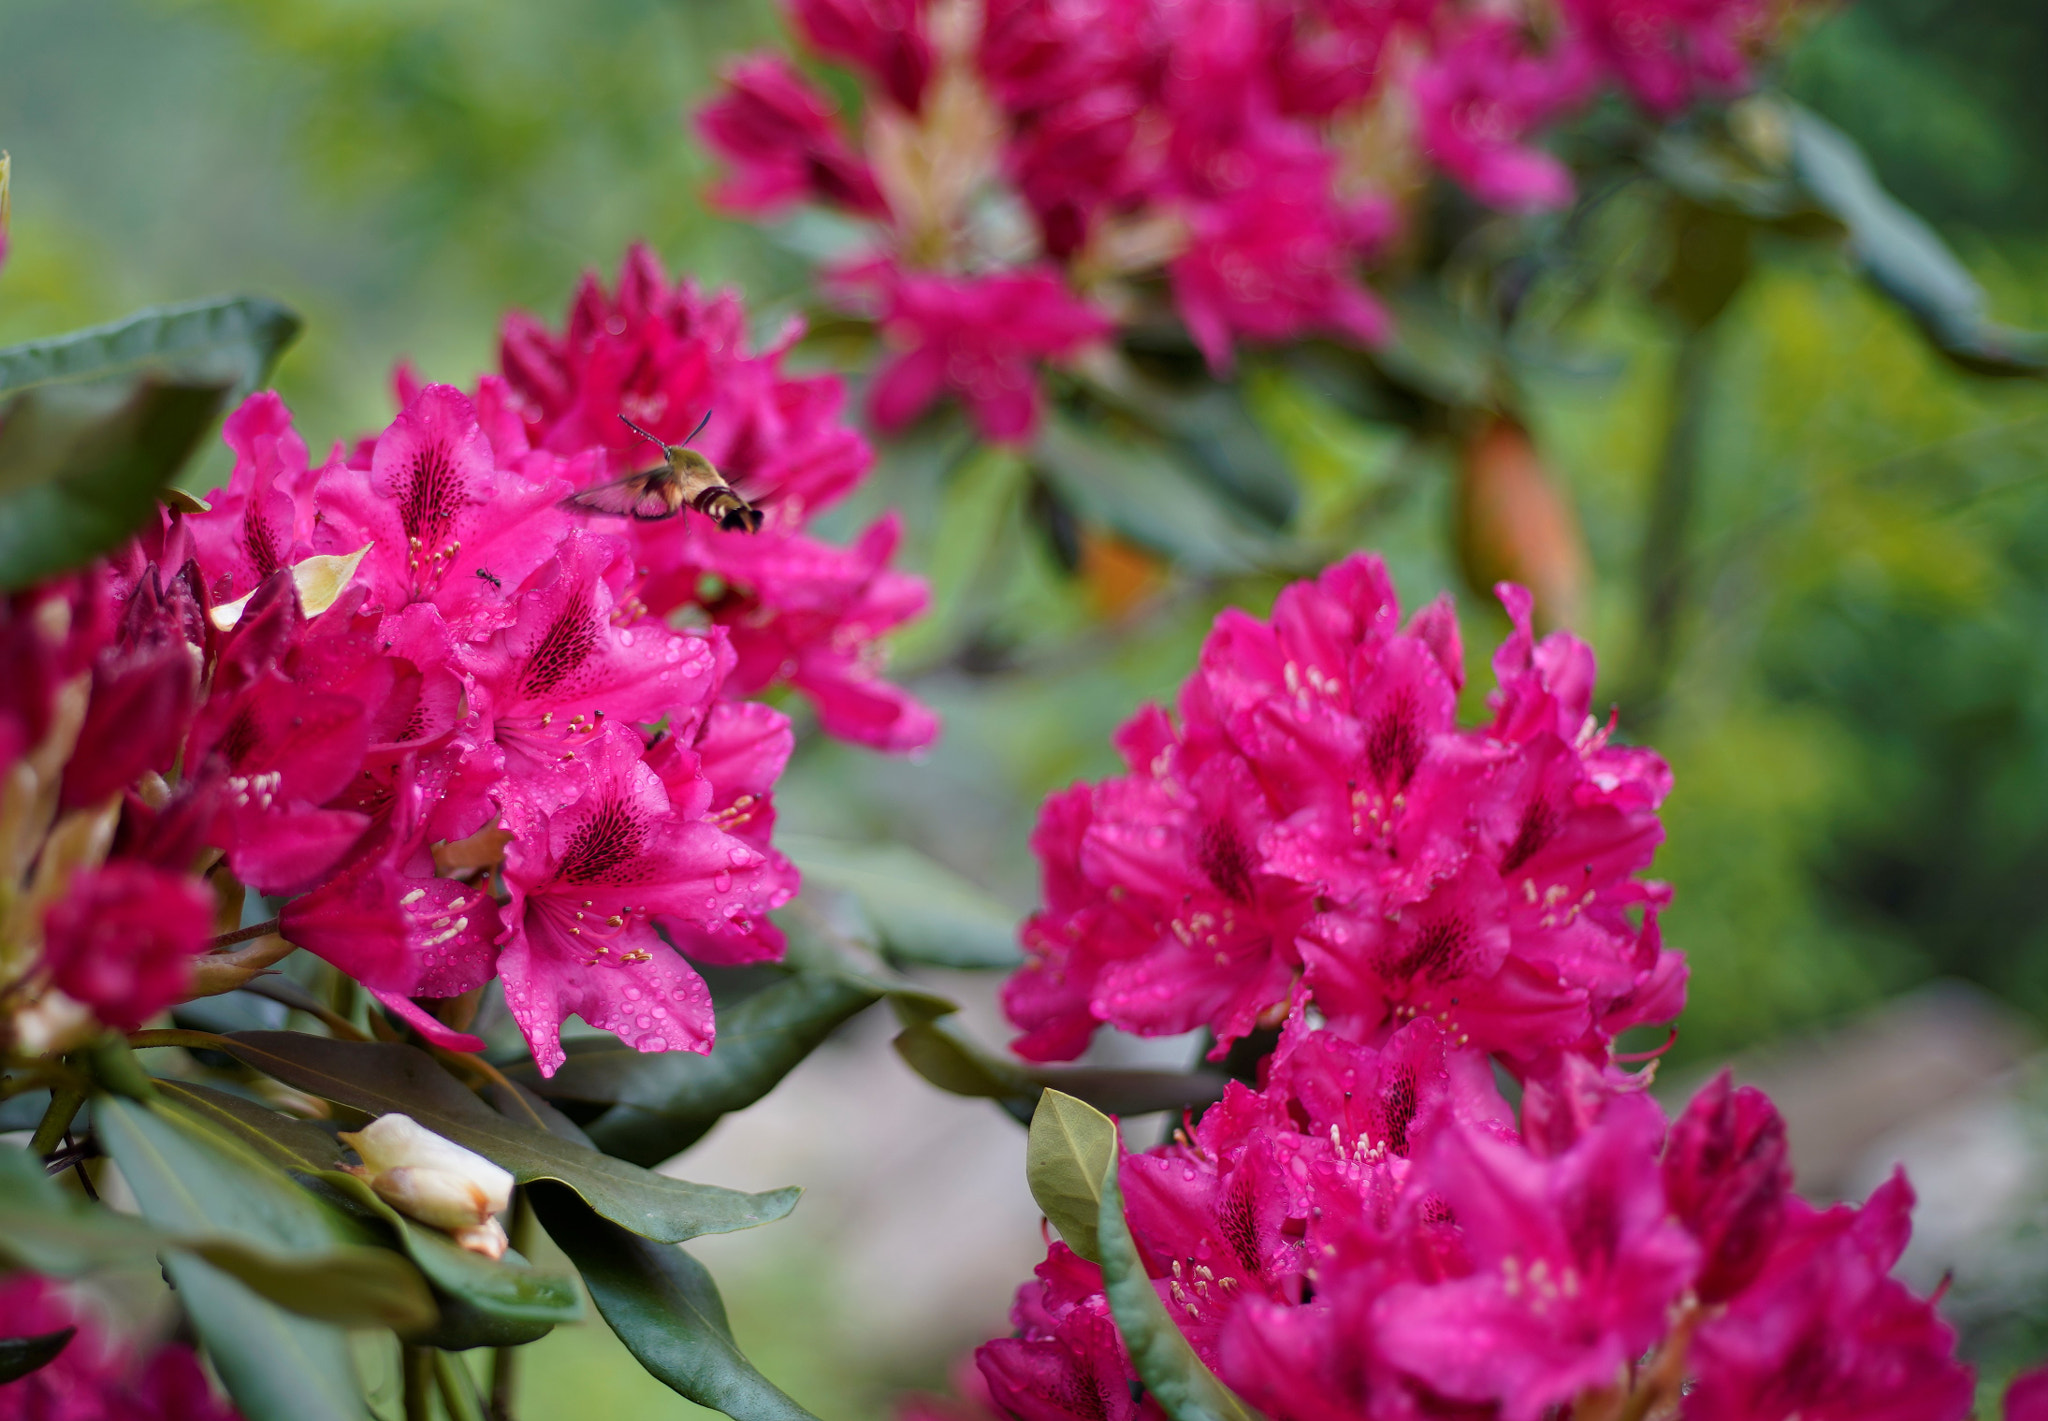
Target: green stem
64, 1103
505, 1360
417, 1365
458, 1388
1665, 575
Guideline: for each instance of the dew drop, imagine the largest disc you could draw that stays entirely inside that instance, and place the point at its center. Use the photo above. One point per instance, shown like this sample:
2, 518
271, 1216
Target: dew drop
722, 881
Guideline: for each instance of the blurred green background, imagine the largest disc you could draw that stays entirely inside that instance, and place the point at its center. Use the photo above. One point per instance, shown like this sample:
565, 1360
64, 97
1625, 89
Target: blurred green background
1857, 709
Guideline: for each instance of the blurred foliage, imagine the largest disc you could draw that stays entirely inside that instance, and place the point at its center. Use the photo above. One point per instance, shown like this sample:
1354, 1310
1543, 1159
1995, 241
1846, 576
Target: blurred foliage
1854, 693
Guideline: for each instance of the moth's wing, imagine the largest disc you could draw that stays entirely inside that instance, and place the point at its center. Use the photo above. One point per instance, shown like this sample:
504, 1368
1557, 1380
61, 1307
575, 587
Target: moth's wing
648, 497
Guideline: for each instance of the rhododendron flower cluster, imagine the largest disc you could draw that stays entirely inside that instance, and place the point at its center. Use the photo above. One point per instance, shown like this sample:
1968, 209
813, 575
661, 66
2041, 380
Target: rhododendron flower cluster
1314, 843
97, 1376
1316, 822
1367, 1235
460, 729
1032, 168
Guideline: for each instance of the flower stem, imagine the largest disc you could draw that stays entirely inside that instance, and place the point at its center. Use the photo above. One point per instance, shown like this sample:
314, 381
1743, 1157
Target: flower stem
417, 1366
64, 1103
458, 1388
248, 934
505, 1360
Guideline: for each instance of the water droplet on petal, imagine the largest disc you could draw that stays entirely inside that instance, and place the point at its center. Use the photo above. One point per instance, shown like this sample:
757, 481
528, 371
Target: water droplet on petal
722, 881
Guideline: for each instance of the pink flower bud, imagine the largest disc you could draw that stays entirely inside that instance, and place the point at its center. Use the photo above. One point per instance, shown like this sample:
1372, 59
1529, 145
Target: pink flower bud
434, 1180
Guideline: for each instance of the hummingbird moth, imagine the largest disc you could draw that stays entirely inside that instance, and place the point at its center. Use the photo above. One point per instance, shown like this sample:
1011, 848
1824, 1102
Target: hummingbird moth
684, 477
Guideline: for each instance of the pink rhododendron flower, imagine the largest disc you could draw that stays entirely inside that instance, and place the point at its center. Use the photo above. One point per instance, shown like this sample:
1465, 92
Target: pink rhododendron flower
885, 38
2026, 1396
122, 940
1727, 1177
780, 135
1824, 1333
1315, 814
1670, 52
800, 612
1272, 261
98, 1377
575, 656
980, 338
263, 519
1366, 1236
1479, 101
586, 883
1569, 1265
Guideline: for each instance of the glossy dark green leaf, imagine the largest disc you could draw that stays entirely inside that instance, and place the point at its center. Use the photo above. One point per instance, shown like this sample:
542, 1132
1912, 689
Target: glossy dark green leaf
509, 1289
1904, 257
21, 1355
921, 910
1071, 1151
529, 1301
1223, 445
1138, 486
243, 1214
231, 342
1074, 1153
943, 1054
81, 466
382, 1077
278, 1367
95, 423
664, 1103
663, 1305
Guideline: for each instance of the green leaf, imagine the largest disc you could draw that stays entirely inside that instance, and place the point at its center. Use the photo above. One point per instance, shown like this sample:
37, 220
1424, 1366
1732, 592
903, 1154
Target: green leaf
241, 1213
96, 423
21, 1355
231, 342
944, 1055
1135, 484
663, 1305
1904, 257
276, 1366
1165, 1362
380, 1078
1071, 1152
662, 1104
923, 911
81, 466
497, 1303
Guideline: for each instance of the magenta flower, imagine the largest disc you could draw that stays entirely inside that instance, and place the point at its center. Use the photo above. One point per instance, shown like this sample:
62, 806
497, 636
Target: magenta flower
443, 522
586, 882
1066, 1361
144, 685
1273, 260
1479, 99
98, 1377
811, 615
1727, 1177
884, 38
281, 746
781, 136
799, 611
576, 656
387, 920
1670, 52
1571, 1266
1316, 814
980, 338
2026, 1396
1825, 1334
122, 940
263, 519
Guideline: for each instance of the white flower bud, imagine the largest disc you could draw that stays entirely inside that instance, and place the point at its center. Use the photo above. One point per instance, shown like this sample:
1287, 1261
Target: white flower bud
434, 1180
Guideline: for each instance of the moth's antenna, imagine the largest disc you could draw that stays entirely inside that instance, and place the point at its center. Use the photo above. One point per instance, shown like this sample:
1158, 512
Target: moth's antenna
643, 433
700, 426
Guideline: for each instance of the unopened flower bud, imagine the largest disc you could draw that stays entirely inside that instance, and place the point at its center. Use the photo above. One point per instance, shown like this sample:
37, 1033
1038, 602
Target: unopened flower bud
434, 1180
